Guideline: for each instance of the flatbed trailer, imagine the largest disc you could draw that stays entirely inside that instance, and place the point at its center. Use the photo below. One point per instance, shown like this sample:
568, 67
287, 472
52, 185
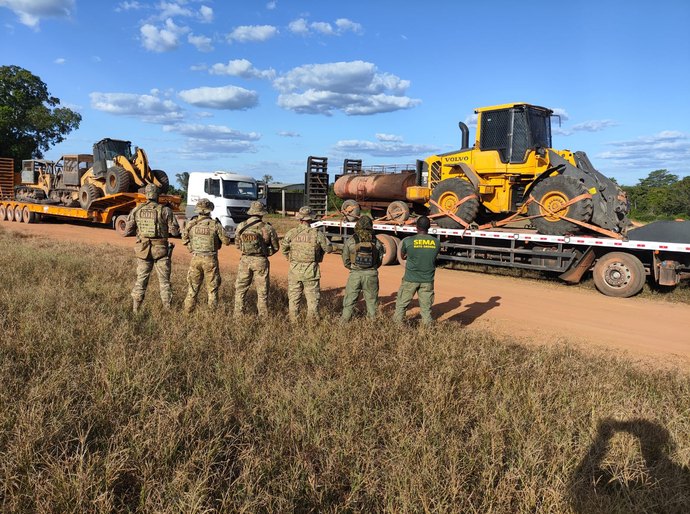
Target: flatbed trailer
111, 209
620, 267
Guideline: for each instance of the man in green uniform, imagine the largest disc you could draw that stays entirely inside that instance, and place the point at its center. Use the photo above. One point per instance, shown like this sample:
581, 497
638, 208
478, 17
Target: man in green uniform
152, 223
304, 246
203, 236
362, 255
257, 241
420, 253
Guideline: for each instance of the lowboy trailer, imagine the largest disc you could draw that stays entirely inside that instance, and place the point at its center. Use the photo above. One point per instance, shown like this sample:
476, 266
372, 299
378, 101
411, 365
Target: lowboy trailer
658, 252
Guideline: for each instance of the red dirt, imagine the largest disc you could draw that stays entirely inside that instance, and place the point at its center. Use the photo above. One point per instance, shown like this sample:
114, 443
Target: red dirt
513, 308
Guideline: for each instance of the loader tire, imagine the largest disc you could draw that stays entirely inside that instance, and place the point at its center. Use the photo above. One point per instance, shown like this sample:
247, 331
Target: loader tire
162, 177
351, 210
446, 194
87, 194
398, 211
552, 193
619, 274
117, 180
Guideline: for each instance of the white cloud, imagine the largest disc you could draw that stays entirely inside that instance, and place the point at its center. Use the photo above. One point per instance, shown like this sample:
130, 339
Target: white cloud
289, 133
202, 43
271, 5
211, 132
206, 14
128, 6
342, 25
171, 9
251, 33
162, 39
390, 138
299, 26
226, 97
593, 126
355, 88
60, 60
241, 68
383, 148
667, 149
30, 12
199, 67
149, 108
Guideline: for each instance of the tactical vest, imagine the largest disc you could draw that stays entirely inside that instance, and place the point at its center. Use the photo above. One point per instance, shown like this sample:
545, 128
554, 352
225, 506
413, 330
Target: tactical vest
304, 247
202, 236
364, 254
253, 240
148, 219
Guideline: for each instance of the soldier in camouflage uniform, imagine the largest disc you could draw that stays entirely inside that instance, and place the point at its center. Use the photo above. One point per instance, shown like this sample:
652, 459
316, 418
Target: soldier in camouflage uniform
152, 223
203, 236
362, 255
257, 241
304, 247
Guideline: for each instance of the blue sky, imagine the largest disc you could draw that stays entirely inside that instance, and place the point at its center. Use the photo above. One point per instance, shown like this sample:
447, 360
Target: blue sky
257, 86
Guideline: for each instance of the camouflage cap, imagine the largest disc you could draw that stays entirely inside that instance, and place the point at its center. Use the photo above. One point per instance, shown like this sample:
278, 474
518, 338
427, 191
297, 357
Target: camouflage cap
204, 206
364, 223
151, 191
257, 209
305, 213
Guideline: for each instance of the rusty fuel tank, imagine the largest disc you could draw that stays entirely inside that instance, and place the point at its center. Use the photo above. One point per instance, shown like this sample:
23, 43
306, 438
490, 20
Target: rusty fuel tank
374, 186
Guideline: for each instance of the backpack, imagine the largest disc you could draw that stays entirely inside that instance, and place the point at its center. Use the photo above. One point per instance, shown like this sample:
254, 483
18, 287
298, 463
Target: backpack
364, 254
252, 239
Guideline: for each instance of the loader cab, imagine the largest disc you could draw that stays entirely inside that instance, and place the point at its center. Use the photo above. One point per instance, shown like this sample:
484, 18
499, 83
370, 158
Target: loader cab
105, 151
514, 130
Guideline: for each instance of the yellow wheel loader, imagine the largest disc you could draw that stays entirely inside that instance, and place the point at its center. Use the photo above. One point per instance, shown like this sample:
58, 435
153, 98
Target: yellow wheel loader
513, 168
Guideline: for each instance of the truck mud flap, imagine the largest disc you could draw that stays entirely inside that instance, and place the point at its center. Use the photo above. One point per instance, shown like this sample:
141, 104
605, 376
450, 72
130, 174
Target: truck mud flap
579, 268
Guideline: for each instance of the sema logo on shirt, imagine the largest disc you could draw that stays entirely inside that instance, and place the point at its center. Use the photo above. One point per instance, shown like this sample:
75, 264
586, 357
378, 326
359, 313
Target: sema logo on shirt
424, 243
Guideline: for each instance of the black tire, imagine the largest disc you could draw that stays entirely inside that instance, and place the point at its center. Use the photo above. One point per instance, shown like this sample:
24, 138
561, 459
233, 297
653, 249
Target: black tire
551, 193
87, 194
162, 177
446, 194
28, 216
3, 213
390, 249
619, 274
17, 214
117, 180
351, 210
120, 223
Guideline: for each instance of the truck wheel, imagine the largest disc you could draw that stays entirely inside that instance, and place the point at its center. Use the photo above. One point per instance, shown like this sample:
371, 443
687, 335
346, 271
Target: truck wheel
390, 249
117, 180
619, 274
87, 194
398, 211
351, 210
446, 194
162, 177
120, 223
552, 193
17, 214
28, 216
3, 213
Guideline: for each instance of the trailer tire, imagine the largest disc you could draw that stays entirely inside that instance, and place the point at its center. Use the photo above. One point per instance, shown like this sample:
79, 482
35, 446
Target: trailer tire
390, 249
87, 194
162, 177
28, 216
120, 224
398, 211
17, 214
619, 274
3, 213
446, 194
552, 193
351, 210
117, 180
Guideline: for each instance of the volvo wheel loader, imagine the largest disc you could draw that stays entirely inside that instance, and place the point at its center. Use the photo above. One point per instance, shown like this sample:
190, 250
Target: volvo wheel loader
512, 168
81, 178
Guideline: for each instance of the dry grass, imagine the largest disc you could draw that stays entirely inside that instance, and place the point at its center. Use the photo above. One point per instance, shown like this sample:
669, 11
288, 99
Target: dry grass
103, 411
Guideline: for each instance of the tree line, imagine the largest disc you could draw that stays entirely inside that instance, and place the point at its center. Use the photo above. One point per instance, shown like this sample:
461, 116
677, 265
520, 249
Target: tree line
660, 195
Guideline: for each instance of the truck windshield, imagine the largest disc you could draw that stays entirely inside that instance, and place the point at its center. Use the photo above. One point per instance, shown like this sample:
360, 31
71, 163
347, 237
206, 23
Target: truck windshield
239, 190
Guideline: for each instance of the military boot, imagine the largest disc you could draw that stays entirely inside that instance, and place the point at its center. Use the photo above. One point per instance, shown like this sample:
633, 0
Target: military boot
136, 305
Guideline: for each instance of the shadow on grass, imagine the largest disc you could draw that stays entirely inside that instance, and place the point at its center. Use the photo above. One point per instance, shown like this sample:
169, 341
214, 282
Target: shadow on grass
661, 487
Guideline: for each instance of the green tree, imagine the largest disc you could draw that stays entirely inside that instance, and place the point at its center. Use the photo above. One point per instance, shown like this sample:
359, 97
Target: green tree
183, 180
31, 120
267, 179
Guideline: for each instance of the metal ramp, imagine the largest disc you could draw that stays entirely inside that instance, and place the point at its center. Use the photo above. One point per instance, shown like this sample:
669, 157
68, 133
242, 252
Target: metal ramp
316, 184
6, 178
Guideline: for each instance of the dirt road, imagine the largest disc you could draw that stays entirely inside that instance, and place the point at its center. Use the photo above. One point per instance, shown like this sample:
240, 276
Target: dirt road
524, 310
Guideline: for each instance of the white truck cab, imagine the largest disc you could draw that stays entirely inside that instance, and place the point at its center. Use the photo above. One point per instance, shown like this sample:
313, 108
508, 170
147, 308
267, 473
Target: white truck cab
230, 193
